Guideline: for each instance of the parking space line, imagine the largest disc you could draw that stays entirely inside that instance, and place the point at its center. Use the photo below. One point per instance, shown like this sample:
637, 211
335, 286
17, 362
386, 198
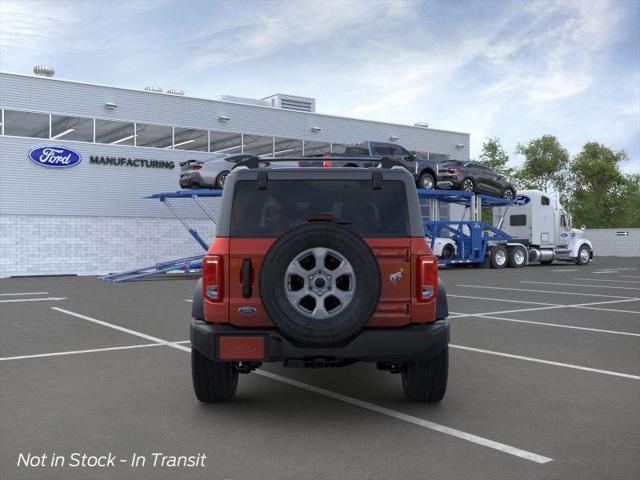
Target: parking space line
581, 285
547, 362
566, 270
337, 396
629, 276
609, 309
577, 305
410, 419
91, 350
501, 300
547, 291
44, 299
545, 324
605, 280
188, 300
122, 329
22, 293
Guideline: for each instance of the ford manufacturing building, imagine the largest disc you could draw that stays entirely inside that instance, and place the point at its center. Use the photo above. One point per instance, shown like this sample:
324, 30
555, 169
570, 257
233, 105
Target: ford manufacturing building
92, 217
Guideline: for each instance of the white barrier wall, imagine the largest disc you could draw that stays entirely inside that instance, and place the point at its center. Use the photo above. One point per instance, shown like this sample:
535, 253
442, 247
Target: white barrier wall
83, 245
615, 242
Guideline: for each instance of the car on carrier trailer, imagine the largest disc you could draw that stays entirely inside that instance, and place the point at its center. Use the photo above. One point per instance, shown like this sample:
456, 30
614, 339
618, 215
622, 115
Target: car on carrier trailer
319, 267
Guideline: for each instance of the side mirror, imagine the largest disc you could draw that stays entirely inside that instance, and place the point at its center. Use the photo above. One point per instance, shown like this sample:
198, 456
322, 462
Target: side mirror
411, 156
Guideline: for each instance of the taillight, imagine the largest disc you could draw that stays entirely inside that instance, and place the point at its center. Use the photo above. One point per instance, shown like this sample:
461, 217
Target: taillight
427, 278
196, 167
454, 170
212, 278
326, 163
325, 160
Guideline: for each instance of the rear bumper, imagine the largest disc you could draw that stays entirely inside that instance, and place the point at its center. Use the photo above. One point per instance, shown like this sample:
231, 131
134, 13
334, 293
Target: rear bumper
372, 344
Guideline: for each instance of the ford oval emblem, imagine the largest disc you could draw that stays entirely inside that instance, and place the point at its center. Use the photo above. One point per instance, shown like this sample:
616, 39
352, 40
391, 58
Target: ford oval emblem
55, 157
247, 310
521, 200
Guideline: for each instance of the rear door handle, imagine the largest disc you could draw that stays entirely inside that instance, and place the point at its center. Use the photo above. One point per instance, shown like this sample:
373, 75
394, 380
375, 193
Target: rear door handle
246, 278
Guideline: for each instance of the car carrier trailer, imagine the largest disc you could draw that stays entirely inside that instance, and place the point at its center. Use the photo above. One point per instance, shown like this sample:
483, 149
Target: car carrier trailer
532, 228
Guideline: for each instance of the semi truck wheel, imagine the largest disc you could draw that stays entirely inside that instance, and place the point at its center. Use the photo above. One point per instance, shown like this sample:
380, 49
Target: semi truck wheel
320, 284
584, 255
498, 257
426, 381
213, 382
517, 257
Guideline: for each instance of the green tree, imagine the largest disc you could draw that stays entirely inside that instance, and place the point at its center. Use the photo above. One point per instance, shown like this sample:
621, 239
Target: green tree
599, 194
494, 156
545, 164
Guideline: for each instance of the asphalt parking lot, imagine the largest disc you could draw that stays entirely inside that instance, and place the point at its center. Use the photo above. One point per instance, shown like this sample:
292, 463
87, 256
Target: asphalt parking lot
544, 383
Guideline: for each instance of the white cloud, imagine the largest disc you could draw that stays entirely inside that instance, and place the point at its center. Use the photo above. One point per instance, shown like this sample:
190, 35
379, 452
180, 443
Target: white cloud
30, 29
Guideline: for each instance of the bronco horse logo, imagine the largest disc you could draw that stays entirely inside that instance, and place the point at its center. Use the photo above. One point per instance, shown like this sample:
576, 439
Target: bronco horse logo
395, 277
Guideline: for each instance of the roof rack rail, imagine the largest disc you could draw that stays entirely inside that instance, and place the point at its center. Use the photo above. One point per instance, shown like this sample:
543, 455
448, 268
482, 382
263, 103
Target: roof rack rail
255, 162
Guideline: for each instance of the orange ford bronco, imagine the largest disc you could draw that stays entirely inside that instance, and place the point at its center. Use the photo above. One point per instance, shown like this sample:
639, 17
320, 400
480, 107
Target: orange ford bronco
319, 267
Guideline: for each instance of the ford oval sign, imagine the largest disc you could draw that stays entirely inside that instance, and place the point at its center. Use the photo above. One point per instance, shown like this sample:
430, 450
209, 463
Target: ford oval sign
55, 157
247, 310
521, 200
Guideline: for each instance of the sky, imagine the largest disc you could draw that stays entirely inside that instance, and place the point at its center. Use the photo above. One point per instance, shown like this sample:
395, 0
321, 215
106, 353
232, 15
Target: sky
514, 69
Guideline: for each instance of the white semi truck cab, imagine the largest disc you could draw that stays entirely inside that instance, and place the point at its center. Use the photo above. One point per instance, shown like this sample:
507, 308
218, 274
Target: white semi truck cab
537, 221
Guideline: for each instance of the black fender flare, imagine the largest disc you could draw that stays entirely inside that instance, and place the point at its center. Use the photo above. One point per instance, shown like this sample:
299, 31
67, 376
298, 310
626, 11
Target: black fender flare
430, 171
197, 307
442, 306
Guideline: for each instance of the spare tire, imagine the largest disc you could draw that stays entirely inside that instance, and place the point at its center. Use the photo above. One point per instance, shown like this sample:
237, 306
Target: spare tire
319, 284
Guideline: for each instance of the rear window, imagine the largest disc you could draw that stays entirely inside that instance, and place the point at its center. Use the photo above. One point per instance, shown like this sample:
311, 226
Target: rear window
450, 163
285, 204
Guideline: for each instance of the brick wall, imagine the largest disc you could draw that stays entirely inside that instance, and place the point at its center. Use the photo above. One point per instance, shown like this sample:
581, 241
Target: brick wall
41, 245
607, 242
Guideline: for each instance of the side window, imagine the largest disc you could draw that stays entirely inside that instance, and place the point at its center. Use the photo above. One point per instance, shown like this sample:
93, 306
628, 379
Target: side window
544, 200
398, 151
563, 221
518, 220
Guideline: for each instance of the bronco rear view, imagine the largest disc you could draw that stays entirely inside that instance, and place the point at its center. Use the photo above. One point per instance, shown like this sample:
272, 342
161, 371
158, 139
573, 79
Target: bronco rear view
319, 267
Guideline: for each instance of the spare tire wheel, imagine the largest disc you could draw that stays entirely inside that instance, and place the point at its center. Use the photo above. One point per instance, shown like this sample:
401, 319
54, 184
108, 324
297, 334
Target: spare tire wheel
319, 284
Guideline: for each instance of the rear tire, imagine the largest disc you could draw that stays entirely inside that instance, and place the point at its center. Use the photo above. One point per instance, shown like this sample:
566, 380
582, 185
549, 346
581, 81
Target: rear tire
427, 182
468, 185
426, 380
221, 178
499, 257
517, 257
213, 382
448, 251
509, 194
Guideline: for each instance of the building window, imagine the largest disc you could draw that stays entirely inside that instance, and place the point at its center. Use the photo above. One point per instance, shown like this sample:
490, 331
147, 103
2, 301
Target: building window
26, 124
312, 149
226, 143
258, 145
115, 133
157, 136
71, 128
287, 147
191, 139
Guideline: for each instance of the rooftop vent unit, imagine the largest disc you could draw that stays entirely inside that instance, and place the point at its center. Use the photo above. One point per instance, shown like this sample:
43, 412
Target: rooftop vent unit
153, 88
175, 91
44, 71
244, 100
291, 102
